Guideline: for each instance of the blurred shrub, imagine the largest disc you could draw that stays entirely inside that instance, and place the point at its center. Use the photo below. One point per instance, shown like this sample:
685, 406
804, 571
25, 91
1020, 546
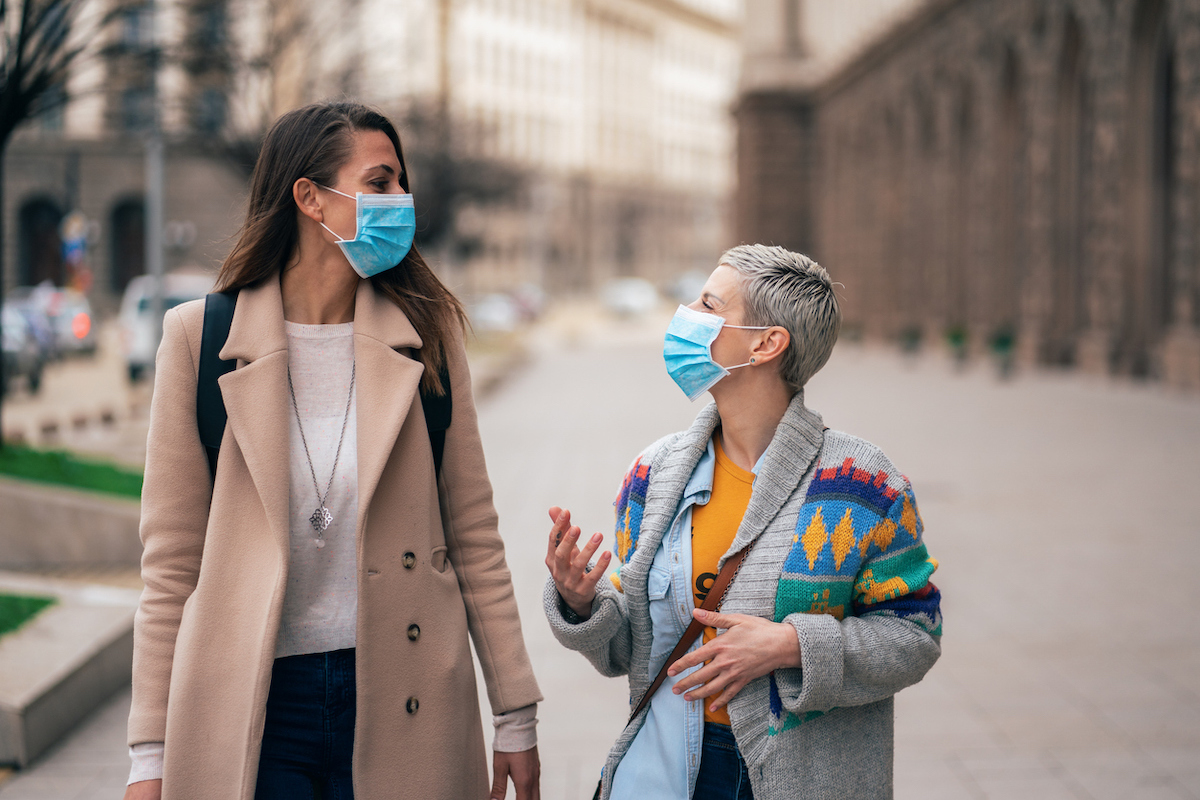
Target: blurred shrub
16, 610
65, 469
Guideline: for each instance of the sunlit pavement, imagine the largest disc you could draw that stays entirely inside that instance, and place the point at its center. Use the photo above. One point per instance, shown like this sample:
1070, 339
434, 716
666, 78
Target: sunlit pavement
1063, 510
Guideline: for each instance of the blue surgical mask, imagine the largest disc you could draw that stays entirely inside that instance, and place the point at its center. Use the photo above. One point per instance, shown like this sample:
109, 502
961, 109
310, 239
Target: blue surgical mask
386, 224
687, 350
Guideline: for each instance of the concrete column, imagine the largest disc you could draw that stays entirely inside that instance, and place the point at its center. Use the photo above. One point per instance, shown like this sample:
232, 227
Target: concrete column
1180, 351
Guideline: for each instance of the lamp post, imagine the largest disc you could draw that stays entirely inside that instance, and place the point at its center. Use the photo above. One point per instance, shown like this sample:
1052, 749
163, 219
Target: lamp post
155, 180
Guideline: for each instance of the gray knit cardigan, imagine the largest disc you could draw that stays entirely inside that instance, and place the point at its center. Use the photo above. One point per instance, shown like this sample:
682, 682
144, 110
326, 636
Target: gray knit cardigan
841, 696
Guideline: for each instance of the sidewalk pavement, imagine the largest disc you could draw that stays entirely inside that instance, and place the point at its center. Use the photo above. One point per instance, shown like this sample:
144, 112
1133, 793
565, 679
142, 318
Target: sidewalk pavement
1063, 510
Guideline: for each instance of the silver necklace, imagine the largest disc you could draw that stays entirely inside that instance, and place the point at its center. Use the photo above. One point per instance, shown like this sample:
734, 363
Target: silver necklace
322, 517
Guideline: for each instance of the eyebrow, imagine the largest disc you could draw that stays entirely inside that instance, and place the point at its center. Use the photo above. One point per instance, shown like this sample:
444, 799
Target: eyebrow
386, 168
713, 296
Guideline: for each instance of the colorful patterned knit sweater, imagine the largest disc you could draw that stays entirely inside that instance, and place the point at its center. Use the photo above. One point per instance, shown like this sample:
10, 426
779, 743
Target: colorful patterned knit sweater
872, 561
838, 554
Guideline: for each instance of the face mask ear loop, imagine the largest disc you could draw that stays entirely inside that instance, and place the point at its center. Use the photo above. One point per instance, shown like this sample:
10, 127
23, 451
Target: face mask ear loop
747, 328
343, 194
335, 191
339, 239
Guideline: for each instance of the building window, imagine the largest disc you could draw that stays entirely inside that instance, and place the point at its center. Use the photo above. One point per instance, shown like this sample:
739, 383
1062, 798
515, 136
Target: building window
137, 28
137, 108
210, 111
212, 26
54, 101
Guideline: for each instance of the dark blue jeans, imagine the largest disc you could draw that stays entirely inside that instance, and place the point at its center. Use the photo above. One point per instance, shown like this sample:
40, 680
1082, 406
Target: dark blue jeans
723, 774
308, 740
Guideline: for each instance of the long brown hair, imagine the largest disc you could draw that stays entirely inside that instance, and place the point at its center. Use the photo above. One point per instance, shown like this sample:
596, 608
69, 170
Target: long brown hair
314, 142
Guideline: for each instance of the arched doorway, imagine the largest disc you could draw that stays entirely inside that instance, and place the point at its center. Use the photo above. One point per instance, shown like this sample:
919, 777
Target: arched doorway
1070, 170
128, 243
39, 243
1149, 185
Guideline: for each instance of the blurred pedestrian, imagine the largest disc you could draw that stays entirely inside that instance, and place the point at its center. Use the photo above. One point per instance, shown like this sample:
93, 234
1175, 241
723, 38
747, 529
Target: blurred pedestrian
304, 628
786, 692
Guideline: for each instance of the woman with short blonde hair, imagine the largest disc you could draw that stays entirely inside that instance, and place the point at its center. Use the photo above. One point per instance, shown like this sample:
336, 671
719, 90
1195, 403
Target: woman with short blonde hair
785, 692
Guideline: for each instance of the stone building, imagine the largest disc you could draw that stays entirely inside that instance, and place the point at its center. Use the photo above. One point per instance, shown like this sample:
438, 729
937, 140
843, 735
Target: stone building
90, 156
993, 171
614, 114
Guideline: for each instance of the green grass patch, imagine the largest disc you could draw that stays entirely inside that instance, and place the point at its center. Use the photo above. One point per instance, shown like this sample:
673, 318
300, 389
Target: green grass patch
65, 469
16, 610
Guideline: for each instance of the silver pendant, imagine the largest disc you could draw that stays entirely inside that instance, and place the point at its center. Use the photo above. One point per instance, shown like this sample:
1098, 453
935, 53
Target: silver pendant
320, 519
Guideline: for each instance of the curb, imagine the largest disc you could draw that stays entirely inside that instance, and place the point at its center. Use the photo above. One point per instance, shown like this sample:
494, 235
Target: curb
54, 526
63, 663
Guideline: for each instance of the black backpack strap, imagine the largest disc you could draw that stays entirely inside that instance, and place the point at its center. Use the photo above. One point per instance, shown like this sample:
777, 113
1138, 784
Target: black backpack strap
210, 406
438, 410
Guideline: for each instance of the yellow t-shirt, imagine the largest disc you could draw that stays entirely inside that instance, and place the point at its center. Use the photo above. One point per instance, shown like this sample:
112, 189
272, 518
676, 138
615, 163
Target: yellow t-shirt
714, 527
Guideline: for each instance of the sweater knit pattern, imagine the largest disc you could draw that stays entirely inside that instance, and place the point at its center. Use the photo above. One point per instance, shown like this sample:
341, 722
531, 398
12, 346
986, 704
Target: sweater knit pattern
823, 730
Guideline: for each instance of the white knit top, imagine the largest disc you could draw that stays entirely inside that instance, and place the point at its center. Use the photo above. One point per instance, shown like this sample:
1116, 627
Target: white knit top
321, 602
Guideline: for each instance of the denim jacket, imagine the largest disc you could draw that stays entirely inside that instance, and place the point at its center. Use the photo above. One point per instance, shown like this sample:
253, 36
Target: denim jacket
664, 758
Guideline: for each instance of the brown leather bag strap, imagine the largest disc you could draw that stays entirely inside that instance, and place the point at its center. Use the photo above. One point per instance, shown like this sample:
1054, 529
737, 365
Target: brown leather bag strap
712, 602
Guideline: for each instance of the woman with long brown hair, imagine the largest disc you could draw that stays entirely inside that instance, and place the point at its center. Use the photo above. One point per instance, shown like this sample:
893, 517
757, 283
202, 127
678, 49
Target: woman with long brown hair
303, 632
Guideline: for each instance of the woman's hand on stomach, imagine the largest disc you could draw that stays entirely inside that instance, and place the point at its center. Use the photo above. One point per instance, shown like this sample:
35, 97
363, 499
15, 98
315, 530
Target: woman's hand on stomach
749, 648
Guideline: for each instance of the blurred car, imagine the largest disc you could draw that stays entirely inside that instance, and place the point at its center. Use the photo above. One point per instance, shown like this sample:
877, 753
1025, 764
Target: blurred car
530, 299
66, 312
22, 356
686, 288
74, 331
629, 297
138, 333
41, 327
494, 313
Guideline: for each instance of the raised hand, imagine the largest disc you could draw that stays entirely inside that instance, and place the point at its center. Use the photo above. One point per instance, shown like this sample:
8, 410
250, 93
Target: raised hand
568, 564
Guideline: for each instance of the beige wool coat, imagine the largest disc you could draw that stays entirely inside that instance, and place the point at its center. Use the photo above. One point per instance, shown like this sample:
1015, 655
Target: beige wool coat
215, 573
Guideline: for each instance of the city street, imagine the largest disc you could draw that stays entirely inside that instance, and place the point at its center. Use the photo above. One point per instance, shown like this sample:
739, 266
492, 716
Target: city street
1063, 511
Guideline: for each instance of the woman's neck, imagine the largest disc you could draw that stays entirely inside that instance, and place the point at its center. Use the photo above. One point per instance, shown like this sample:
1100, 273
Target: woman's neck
749, 416
318, 290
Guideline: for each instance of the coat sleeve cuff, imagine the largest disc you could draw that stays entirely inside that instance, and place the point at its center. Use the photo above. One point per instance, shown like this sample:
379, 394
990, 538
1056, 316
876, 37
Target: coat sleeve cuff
147, 759
816, 684
594, 632
516, 731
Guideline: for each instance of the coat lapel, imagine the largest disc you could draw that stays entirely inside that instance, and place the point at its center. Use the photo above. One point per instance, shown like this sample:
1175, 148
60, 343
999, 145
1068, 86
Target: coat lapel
387, 383
257, 400
256, 397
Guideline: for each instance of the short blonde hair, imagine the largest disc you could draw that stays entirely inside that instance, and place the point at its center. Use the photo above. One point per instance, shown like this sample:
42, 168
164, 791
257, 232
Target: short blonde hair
790, 290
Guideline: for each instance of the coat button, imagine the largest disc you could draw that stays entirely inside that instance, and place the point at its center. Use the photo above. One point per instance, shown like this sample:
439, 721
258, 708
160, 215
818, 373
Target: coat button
414, 632
411, 705
410, 560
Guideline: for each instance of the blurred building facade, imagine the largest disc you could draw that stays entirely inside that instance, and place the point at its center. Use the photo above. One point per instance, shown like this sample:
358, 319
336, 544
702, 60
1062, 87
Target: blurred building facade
89, 156
609, 118
615, 116
993, 171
